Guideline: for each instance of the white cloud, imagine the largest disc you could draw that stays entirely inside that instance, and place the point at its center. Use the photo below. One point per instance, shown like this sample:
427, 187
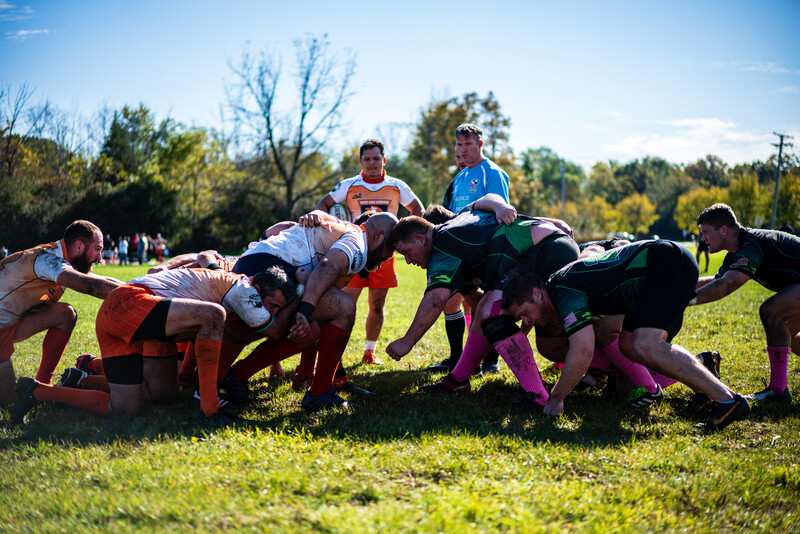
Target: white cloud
687, 140
22, 35
789, 89
766, 67
10, 12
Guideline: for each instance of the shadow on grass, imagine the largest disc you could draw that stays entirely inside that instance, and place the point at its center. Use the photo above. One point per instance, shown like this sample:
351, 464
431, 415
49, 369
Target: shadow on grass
400, 409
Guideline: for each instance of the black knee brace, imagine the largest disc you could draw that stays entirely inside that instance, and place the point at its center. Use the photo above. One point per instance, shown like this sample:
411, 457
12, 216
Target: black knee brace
499, 327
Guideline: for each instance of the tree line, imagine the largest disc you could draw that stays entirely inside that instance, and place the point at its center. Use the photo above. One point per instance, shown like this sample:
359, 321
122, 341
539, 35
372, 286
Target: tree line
129, 172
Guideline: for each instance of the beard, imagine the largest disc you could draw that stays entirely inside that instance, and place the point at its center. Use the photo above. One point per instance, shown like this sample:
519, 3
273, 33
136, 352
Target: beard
374, 260
81, 263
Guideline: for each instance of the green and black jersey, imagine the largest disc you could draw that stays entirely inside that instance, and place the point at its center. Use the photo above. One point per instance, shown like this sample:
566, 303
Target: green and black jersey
474, 250
605, 284
769, 257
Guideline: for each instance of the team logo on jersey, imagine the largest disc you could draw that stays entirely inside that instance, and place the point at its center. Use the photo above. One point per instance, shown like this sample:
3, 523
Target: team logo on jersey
356, 196
374, 206
570, 320
358, 257
741, 262
473, 184
255, 300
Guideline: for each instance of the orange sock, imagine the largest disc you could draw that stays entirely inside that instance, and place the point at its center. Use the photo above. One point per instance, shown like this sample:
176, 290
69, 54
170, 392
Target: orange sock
95, 382
55, 341
207, 352
265, 354
188, 370
332, 342
92, 401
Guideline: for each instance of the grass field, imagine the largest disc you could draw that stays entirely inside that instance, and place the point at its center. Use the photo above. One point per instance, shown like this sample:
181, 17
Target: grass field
410, 462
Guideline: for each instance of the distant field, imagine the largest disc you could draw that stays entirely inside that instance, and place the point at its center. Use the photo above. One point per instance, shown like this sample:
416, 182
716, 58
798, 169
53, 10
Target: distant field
411, 462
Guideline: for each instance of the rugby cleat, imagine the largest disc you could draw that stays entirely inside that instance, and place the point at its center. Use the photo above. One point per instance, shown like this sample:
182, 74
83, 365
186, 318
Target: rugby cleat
595, 379
641, 398
697, 406
71, 378
301, 383
768, 395
327, 400
489, 368
724, 414
710, 360
196, 401
238, 390
445, 366
82, 362
528, 402
369, 358
352, 389
25, 399
448, 385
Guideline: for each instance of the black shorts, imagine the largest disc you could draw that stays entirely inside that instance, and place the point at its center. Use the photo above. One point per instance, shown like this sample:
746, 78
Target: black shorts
669, 283
255, 263
550, 255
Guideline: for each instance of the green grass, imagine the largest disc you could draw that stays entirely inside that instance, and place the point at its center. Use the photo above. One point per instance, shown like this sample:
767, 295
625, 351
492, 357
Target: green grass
406, 461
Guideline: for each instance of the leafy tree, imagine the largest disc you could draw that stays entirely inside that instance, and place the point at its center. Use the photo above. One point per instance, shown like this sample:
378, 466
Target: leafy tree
284, 146
748, 199
636, 213
134, 138
606, 183
710, 171
433, 142
543, 166
692, 203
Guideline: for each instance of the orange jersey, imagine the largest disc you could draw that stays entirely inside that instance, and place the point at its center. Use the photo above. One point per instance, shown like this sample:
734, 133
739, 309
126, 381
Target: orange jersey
361, 195
28, 279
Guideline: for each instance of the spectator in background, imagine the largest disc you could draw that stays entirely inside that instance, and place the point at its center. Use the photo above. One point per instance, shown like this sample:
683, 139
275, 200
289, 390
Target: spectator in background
3, 252
108, 249
159, 244
143, 244
134, 248
702, 250
122, 250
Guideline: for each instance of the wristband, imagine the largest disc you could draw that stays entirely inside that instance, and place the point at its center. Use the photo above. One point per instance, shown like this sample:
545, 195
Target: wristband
213, 266
300, 289
306, 308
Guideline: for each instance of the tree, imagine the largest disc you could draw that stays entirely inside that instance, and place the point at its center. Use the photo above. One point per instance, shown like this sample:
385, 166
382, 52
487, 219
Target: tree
692, 203
748, 199
709, 172
543, 166
636, 213
433, 141
286, 144
606, 183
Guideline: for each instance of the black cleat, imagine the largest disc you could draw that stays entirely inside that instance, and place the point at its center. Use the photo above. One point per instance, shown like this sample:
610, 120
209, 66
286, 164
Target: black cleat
445, 366
71, 378
220, 419
353, 389
697, 406
724, 414
710, 360
25, 399
238, 390
448, 385
327, 400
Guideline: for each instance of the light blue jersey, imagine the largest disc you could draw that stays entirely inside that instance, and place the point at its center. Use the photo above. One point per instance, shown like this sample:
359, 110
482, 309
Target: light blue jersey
473, 183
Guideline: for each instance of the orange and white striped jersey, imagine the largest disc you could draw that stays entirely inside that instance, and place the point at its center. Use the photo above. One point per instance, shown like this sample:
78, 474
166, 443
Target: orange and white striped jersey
29, 278
235, 292
361, 195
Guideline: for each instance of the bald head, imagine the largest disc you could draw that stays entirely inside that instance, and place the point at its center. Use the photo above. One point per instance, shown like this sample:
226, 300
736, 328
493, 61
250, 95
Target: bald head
381, 222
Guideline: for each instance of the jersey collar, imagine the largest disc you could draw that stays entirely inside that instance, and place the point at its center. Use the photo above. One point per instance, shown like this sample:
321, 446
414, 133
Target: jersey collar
374, 180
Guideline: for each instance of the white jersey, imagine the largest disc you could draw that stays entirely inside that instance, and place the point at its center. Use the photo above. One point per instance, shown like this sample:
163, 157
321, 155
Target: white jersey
305, 247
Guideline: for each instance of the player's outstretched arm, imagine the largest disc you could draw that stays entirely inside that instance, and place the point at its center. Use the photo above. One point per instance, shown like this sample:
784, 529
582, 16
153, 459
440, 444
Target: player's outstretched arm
173, 263
90, 284
576, 362
716, 289
429, 309
316, 218
504, 212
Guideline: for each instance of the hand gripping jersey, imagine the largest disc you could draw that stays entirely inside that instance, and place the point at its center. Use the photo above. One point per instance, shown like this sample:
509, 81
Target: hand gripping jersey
234, 292
361, 195
305, 247
769, 257
29, 279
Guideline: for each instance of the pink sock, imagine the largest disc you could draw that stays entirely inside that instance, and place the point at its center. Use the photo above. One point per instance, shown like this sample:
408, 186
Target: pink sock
637, 372
778, 368
600, 361
468, 319
663, 381
518, 355
476, 347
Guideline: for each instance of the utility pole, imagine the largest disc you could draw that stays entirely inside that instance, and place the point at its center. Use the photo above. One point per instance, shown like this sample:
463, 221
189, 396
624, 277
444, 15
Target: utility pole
563, 193
778, 175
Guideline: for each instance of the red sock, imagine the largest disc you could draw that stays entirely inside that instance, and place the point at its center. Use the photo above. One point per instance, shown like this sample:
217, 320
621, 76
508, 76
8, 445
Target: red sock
518, 355
638, 373
265, 354
207, 352
95, 382
88, 400
305, 367
332, 342
475, 349
95, 366
188, 370
227, 355
55, 341
778, 368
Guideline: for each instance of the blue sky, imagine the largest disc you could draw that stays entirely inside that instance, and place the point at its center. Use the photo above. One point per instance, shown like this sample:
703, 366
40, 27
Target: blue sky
593, 81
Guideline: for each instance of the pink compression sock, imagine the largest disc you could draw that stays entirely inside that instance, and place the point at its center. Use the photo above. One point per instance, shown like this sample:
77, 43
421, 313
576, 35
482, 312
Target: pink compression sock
600, 361
638, 373
663, 381
778, 368
475, 349
518, 355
